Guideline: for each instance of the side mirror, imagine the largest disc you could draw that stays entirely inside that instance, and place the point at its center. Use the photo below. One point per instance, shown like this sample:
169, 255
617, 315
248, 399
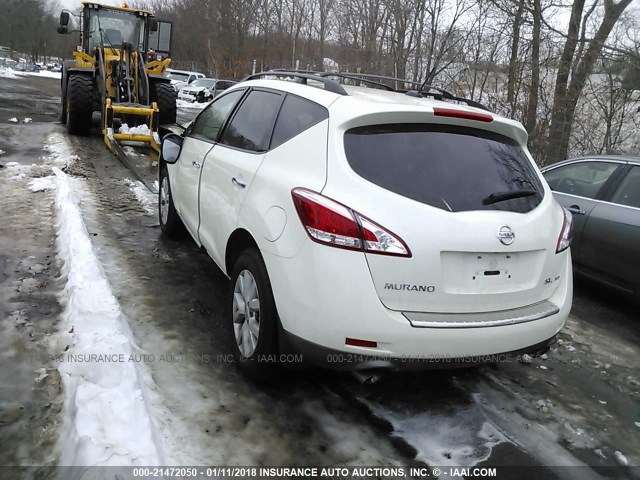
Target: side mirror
64, 18
171, 146
153, 25
62, 30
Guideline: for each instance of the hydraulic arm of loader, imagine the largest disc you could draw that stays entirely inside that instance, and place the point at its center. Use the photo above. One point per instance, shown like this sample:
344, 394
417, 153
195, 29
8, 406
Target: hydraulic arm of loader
130, 87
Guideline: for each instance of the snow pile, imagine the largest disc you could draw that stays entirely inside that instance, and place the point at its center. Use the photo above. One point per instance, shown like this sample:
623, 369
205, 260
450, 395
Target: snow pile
107, 414
13, 120
139, 130
27, 120
2, 152
7, 73
143, 195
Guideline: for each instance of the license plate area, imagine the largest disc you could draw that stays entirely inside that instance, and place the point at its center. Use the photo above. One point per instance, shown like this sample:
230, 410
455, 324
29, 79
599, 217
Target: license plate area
489, 272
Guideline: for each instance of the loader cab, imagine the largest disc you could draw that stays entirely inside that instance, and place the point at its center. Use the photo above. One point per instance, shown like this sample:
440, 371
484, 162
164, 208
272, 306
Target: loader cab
110, 27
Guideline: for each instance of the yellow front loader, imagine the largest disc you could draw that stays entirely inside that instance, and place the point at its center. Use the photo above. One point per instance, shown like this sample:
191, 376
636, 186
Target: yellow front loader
117, 72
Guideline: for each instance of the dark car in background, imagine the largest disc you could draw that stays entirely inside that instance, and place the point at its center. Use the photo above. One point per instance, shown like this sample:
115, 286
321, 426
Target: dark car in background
603, 194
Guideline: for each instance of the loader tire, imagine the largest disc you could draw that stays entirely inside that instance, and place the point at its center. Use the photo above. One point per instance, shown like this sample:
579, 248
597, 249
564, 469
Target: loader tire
63, 110
165, 97
79, 104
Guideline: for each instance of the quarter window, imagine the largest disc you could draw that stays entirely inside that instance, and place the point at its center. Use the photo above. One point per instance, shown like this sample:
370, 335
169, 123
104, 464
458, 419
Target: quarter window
252, 125
208, 124
584, 179
628, 193
296, 116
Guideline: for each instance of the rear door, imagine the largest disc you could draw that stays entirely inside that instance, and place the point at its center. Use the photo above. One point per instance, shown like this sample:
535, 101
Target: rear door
200, 138
578, 186
611, 239
470, 206
231, 166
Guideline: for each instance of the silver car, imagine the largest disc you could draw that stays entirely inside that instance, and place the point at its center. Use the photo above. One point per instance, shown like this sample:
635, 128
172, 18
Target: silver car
603, 194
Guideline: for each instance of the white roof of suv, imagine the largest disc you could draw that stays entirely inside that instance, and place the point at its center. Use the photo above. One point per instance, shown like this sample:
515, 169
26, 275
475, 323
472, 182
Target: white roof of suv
366, 100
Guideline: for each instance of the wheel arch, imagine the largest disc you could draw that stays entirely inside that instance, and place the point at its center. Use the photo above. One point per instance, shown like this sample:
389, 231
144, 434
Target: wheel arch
239, 241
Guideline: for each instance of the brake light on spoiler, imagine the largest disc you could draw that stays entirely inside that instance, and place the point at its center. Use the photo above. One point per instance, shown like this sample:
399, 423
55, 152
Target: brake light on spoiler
331, 223
455, 113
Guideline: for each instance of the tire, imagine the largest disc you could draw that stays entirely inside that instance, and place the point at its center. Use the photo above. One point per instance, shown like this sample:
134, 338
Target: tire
170, 222
79, 104
251, 351
165, 96
63, 110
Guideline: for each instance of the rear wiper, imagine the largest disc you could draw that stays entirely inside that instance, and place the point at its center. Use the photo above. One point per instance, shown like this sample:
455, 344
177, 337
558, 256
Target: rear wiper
510, 195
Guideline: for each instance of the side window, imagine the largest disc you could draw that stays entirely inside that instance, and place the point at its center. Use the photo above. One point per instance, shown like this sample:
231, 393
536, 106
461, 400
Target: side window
296, 115
252, 125
584, 179
209, 122
628, 193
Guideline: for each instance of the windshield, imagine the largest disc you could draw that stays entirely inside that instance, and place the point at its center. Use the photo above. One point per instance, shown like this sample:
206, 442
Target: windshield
181, 77
201, 82
112, 28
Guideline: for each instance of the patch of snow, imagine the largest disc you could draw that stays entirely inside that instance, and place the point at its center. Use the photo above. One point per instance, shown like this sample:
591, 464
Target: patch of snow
7, 73
190, 106
41, 73
27, 120
2, 152
637, 424
461, 439
18, 171
139, 130
13, 120
620, 458
42, 374
147, 199
132, 152
526, 359
59, 152
40, 184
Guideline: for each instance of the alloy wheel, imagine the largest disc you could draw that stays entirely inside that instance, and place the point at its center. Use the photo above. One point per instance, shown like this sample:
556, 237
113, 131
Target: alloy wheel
246, 313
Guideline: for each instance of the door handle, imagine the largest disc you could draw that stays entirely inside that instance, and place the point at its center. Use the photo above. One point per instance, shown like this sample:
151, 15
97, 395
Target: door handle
239, 183
576, 209
195, 164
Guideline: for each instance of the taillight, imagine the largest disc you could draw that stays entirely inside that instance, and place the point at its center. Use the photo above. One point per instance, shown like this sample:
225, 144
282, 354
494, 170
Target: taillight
331, 223
566, 234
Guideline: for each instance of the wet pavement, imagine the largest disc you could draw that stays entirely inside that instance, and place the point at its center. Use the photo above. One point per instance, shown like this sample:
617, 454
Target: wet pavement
577, 406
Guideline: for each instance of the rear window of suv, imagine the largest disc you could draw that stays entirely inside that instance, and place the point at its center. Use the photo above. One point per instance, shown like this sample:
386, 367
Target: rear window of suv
453, 168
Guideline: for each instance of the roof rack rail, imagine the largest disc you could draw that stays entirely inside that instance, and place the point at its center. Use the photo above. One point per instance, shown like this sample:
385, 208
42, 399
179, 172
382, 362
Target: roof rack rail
422, 91
329, 85
356, 76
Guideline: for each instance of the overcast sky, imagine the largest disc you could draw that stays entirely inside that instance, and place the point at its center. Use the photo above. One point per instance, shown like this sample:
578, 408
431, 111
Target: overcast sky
75, 4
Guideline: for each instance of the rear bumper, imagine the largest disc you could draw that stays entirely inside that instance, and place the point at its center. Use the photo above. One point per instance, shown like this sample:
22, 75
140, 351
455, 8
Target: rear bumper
326, 295
333, 359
